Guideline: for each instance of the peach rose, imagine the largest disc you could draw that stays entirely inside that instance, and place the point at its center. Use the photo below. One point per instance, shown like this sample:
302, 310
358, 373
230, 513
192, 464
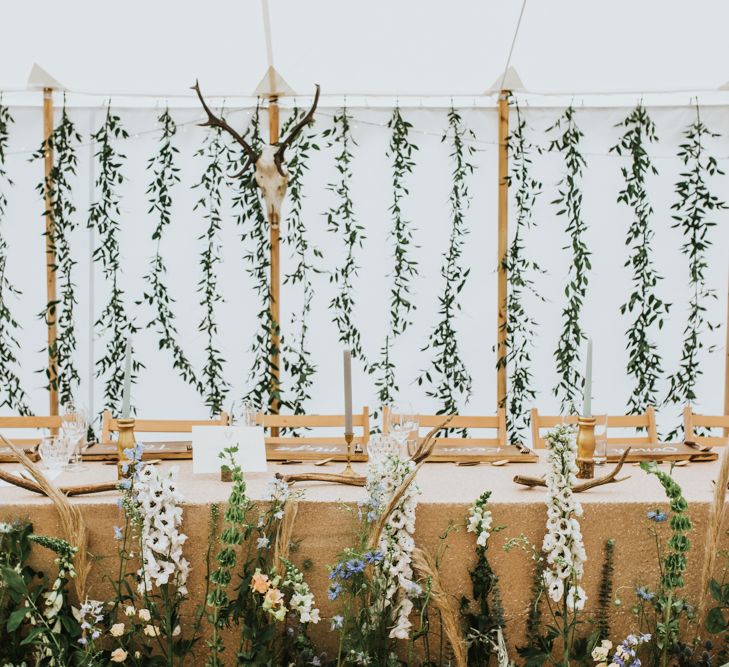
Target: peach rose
119, 655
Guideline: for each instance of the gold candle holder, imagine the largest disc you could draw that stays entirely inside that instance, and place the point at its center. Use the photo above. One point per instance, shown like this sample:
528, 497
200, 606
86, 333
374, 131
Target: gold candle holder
586, 447
348, 470
124, 441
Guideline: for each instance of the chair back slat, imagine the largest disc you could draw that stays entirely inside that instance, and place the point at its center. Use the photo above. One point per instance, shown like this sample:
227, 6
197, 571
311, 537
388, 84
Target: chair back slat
646, 421
110, 425
359, 421
30, 422
496, 422
692, 421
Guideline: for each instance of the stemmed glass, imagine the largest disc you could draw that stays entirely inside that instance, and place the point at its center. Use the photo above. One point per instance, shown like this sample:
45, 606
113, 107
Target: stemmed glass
402, 421
243, 413
601, 430
53, 452
73, 427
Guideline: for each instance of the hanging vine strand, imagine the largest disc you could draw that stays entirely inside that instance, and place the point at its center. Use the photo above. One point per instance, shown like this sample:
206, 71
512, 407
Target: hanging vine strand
57, 189
569, 204
297, 356
250, 216
447, 377
521, 328
165, 175
12, 396
694, 205
644, 362
405, 268
212, 380
341, 220
114, 322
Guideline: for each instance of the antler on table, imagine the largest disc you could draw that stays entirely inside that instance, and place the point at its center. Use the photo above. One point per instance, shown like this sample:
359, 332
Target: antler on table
215, 121
351, 480
610, 478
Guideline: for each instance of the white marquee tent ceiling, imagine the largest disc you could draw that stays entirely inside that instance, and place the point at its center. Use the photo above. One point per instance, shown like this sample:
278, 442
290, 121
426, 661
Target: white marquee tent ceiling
421, 48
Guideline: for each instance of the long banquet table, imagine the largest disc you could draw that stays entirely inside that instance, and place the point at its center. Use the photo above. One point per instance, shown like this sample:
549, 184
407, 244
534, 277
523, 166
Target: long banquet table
323, 526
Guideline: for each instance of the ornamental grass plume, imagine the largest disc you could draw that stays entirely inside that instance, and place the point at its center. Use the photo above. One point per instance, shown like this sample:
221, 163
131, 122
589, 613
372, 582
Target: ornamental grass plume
284, 533
444, 603
73, 526
714, 523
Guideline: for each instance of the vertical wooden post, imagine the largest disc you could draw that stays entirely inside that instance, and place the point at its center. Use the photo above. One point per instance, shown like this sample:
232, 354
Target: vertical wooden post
50, 254
726, 362
273, 130
502, 246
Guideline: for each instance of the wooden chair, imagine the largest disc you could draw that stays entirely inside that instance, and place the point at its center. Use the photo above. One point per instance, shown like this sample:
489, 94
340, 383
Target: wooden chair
646, 421
361, 421
495, 422
692, 421
51, 423
110, 425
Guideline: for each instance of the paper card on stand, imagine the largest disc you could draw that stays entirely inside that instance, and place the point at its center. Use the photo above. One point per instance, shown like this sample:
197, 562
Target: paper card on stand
209, 441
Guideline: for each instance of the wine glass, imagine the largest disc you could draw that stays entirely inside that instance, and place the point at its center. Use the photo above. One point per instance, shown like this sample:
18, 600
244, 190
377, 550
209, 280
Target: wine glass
53, 452
73, 427
243, 413
402, 421
601, 430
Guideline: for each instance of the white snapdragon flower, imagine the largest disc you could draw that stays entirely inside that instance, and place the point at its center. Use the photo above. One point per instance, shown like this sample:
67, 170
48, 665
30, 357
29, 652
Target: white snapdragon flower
562, 545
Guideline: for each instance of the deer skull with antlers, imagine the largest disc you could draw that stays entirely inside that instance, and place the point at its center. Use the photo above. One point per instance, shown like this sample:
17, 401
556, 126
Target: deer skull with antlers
270, 169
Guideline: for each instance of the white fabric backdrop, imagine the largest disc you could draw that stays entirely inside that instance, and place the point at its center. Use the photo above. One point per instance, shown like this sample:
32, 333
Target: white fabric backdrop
163, 394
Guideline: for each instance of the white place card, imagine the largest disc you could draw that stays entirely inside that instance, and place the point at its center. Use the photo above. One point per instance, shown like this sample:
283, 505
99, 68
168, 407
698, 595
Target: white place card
209, 441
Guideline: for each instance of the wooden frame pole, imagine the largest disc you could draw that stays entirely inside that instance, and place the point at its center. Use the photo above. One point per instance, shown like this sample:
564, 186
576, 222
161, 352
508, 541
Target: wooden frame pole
275, 237
50, 254
502, 246
726, 362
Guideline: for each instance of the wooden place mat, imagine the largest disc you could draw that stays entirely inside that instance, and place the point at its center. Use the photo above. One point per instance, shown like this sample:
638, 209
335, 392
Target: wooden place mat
665, 451
474, 454
182, 450
7, 456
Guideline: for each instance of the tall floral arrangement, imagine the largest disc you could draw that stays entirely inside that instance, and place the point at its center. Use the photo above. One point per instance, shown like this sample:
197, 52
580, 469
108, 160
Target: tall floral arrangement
13, 394
521, 328
447, 377
405, 268
341, 220
164, 176
115, 321
57, 189
569, 204
644, 303
692, 214
212, 377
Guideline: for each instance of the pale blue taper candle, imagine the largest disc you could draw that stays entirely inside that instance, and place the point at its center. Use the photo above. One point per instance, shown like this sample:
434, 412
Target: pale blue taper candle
587, 405
126, 398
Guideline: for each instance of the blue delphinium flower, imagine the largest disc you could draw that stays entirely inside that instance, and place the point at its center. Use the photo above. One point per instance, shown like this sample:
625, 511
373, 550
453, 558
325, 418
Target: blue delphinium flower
126, 484
657, 516
118, 533
334, 591
337, 622
644, 594
355, 566
337, 571
373, 557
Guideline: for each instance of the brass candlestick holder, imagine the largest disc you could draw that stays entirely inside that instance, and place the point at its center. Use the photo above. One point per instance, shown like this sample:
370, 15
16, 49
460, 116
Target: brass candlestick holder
124, 441
586, 447
348, 470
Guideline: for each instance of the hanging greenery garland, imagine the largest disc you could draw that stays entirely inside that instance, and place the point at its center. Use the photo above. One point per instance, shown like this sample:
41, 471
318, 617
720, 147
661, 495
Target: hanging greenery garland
212, 381
521, 328
165, 175
694, 205
644, 361
13, 396
569, 204
251, 218
447, 376
297, 357
341, 220
62, 143
114, 322
405, 268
